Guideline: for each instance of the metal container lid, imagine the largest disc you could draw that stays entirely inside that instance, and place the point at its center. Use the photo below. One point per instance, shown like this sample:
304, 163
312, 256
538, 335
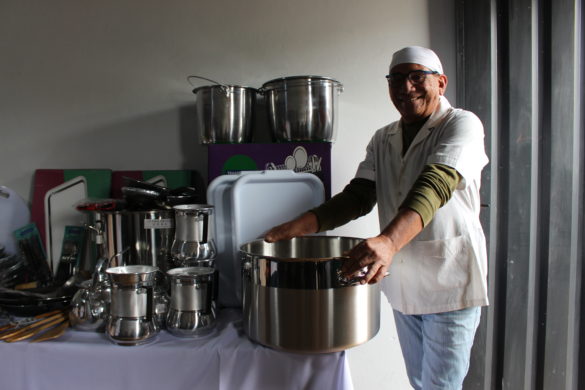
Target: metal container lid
300, 81
193, 208
190, 271
191, 275
132, 274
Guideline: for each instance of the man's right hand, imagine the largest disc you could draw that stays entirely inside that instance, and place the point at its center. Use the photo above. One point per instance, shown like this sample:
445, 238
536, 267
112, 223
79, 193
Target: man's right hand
307, 223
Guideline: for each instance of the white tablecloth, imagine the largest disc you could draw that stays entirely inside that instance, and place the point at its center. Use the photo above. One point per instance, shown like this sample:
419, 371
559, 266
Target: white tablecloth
225, 361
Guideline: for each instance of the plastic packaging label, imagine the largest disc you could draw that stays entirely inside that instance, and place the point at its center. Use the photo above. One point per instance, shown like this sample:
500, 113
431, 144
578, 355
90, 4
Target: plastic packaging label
165, 223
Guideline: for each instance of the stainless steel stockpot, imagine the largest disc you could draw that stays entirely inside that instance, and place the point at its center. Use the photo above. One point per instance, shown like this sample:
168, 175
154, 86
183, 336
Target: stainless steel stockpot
152, 236
294, 298
224, 113
136, 237
115, 232
302, 108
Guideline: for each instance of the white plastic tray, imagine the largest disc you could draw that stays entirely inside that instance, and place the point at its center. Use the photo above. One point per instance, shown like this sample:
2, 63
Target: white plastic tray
60, 212
246, 206
14, 214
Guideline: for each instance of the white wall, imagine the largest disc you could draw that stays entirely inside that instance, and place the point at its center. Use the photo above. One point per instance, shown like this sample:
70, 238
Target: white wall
103, 85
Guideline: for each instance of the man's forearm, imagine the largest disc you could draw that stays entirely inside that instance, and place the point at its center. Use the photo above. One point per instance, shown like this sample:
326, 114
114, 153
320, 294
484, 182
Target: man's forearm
378, 252
403, 228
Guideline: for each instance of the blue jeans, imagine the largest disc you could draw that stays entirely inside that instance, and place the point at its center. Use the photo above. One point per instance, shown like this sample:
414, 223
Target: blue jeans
436, 347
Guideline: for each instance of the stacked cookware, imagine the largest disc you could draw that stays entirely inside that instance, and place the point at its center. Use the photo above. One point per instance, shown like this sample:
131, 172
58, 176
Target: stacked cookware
126, 296
299, 108
193, 281
155, 269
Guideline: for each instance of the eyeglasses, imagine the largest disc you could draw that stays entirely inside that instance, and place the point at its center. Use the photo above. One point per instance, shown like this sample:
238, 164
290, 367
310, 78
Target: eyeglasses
416, 77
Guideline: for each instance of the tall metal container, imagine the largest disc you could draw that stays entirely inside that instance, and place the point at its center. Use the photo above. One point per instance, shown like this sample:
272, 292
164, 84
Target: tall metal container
295, 300
153, 232
224, 113
302, 108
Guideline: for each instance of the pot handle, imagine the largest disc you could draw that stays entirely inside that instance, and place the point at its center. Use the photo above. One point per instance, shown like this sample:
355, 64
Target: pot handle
121, 253
355, 279
224, 88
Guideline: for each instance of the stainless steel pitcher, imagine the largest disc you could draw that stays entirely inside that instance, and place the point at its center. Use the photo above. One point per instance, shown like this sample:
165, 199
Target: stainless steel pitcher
194, 242
131, 319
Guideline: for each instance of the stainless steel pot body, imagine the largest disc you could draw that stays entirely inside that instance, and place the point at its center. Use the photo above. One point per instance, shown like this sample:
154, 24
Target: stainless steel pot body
131, 319
224, 113
302, 108
152, 237
194, 241
137, 237
295, 300
114, 233
192, 309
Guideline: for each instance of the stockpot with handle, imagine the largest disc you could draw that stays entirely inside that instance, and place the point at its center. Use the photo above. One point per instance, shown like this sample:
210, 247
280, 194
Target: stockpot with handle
302, 108
224, 112
296, 299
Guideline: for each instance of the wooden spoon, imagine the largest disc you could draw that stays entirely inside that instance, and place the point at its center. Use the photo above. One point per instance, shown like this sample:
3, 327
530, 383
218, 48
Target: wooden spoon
51, 334
10, 334
27, 321
28, 333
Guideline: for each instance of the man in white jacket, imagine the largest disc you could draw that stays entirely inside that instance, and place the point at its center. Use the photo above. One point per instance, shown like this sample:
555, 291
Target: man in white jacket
424, 172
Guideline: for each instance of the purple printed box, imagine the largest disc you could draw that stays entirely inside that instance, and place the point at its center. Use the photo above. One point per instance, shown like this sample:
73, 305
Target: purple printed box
312, 157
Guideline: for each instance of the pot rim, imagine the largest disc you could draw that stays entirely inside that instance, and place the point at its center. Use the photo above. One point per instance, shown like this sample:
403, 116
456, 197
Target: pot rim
229, 88
279, 82
132, 270
299, 259
193, 207
190, 272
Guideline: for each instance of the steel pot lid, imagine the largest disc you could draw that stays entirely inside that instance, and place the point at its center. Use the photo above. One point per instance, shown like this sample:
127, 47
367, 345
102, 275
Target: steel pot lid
132, 274
193, 208
299, 81
190, 272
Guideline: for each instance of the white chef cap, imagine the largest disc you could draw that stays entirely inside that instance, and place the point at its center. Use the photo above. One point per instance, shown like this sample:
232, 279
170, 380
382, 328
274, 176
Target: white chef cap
417, 55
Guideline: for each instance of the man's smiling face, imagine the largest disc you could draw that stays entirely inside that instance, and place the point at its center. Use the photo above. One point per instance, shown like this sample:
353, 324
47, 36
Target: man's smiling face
416, 101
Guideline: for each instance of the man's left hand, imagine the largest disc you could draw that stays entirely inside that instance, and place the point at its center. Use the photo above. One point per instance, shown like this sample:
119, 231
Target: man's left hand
376, 254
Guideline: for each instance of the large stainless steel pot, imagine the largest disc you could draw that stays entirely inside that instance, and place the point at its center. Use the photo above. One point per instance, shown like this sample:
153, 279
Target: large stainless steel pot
115, 229
136, 237
153, 232
295, 300
224, 112
302, 108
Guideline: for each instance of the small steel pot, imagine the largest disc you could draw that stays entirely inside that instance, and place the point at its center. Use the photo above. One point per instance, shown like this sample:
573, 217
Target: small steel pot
194, 234
131, 319
295, 299
224, 112
192, 310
